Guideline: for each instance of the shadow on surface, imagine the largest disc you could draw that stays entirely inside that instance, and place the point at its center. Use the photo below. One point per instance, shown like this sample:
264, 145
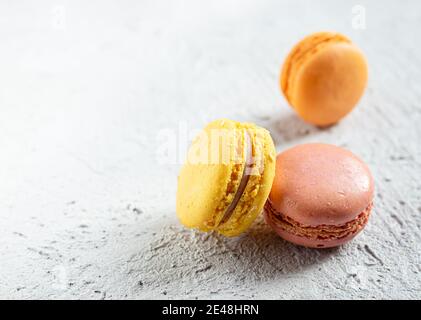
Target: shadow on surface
276, 255
289, 127
178, 254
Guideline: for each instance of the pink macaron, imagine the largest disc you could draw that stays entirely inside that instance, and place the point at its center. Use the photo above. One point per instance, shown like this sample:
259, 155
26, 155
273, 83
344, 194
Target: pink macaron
321, 197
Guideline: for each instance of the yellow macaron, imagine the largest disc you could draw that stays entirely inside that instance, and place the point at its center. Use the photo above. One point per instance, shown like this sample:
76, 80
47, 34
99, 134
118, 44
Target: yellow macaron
323, 77
227, 177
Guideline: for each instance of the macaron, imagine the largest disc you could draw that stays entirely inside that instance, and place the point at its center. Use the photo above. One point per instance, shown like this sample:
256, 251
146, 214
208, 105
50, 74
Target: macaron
324, 77
322, 195
226, 178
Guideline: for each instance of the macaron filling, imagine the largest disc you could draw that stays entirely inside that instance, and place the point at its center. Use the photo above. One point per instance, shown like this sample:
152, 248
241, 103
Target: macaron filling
243, 182
319, 232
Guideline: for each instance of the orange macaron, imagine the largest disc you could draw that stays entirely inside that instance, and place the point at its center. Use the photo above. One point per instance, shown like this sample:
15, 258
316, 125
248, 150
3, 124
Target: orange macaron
324, 77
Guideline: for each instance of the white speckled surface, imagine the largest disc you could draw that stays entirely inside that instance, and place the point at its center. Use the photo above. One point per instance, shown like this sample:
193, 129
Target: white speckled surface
87, 89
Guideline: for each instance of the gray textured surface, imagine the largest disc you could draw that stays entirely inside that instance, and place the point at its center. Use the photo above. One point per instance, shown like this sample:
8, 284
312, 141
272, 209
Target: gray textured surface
87, 90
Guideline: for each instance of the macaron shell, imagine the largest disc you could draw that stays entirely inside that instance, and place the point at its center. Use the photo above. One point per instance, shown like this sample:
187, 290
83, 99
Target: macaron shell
301, 52
321, 236
196, 206
258, 187
319, 184
308, 242
207, 183
329, 84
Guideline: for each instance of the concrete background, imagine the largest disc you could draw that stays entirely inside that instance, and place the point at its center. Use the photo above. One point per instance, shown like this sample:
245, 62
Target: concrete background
98, 101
